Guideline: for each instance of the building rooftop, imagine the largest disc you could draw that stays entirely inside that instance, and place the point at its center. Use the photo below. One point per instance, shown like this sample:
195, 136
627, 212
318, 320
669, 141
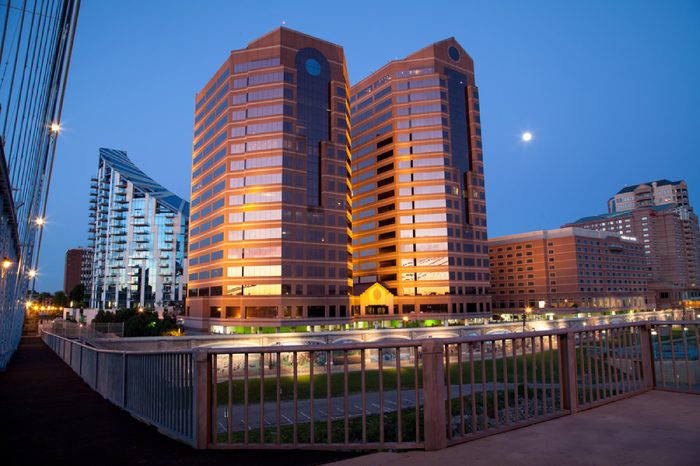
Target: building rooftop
119, 161
625, 213
662, 182
555, 233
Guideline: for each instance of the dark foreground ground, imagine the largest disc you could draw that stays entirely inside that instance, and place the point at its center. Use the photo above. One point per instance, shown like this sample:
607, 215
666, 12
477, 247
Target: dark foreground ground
48, 415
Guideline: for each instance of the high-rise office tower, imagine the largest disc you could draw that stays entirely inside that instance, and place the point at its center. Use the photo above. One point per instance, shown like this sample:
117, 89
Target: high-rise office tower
270, 186
138, 232
35, 50
419, 209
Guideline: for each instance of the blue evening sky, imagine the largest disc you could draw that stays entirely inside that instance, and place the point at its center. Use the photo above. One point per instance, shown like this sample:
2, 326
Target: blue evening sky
610, 90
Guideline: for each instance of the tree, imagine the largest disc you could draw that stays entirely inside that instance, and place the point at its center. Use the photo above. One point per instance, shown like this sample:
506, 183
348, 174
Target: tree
77, 295
59, 299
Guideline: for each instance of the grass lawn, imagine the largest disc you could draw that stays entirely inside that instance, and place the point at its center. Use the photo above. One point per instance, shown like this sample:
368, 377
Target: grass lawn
483, 372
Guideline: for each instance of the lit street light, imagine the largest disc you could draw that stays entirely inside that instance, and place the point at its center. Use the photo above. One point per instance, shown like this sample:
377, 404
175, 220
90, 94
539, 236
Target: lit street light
526, 311
31, 273
526, 136
39, 221
6, 264
55, 127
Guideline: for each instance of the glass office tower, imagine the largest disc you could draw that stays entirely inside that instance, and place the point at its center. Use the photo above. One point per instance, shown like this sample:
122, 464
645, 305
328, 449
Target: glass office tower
138, 232
270, 187
419, 208
35, 48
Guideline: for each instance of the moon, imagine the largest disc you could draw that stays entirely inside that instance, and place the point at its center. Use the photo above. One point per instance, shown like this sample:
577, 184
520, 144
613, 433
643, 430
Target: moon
526, 136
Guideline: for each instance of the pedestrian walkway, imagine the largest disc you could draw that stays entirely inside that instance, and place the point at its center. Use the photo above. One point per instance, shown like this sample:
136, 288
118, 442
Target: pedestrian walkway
655, 428
48, 415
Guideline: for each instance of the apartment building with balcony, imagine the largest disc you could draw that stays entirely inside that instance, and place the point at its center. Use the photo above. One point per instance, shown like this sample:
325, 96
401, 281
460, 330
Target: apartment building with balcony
138, 235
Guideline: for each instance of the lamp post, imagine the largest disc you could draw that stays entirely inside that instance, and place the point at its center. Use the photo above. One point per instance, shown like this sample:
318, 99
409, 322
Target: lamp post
526, 311
6, 264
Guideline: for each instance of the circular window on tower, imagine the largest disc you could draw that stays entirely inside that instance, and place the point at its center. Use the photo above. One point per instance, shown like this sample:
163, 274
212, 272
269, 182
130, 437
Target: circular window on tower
453, 52
313, 67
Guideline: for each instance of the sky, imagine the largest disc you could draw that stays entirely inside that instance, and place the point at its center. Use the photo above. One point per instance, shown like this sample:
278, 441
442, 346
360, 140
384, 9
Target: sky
609, 90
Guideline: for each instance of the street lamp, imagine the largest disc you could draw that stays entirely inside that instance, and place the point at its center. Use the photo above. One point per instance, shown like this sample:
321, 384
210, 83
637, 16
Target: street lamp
526, 311
31, 273
6, 264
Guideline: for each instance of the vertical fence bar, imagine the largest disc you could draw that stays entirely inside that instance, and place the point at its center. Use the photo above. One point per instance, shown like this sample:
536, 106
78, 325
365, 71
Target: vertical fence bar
673, 357
363, 395
460, 390
262, 398
659, 345
329, 406
473, 386
312, 430
533, 352
544, 378
346, 401
616, 360
295, 382
516, 391
278, 405
416, 386
380, 363
214, 400
399, 406
647, 356
526, 394
494, 349
506, 386
484, 389
596, 356
202, 401
433, 395
448, 387
567, 372
686, 358
229, 405
246, 405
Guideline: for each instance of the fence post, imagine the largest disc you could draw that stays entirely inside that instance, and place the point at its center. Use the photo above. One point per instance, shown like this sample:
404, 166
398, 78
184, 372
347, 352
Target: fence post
124, 379
433, 395
569, 379
202, 398
645, 342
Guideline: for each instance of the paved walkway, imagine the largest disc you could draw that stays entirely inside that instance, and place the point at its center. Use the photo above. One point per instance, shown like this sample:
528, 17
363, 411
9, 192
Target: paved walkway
48, 415
656, 428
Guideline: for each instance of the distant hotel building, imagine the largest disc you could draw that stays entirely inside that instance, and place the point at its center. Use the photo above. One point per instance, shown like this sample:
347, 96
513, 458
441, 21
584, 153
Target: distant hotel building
567, 268
660, 216
138, 233
655, 193
270, 186
418, 208
78, 269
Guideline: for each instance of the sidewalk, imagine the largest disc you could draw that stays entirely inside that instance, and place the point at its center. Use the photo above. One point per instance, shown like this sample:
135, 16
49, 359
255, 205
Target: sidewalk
50, 416
655, 428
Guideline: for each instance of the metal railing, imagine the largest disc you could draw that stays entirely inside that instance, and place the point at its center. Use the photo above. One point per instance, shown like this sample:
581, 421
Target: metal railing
426, 394
155, 387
